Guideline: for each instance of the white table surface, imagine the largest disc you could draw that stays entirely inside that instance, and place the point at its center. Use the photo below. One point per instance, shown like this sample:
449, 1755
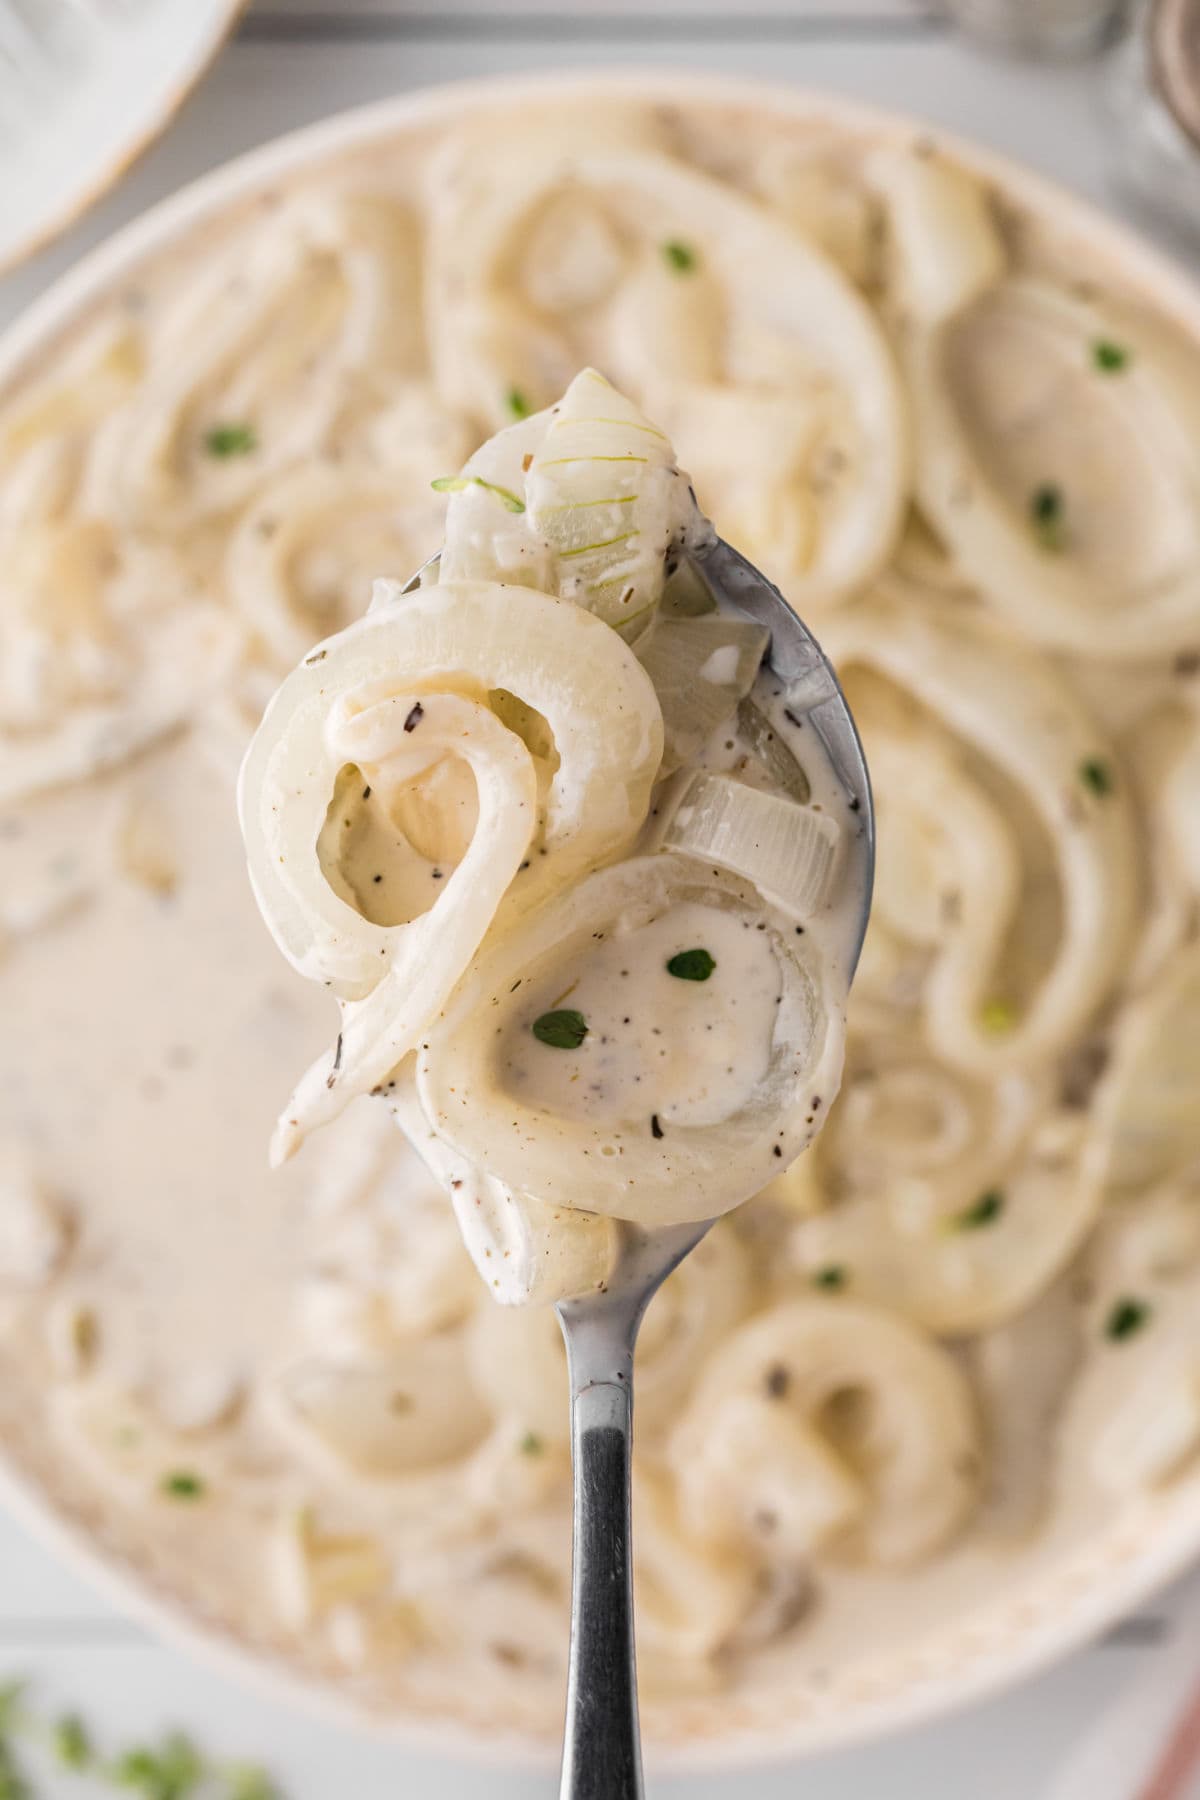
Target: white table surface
293, 61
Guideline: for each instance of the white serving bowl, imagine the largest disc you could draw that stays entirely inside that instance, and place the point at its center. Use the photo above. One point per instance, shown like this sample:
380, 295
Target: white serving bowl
923, 1644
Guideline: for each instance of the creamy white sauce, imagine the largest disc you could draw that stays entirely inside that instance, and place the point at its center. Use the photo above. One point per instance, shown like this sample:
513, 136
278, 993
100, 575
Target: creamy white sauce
658, 1046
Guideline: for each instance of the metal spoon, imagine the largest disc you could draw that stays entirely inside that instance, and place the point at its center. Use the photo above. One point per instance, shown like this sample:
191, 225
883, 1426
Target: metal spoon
602, 1757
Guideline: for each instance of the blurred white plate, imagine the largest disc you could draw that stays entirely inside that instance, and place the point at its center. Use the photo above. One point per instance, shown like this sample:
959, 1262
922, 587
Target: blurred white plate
85, 85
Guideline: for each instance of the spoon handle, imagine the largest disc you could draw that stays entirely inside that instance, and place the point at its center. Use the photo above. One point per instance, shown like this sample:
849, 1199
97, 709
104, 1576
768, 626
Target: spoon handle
602, 1757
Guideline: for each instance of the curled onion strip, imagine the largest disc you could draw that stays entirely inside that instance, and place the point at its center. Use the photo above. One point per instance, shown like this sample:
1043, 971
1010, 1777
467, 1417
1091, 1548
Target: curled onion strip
1009, 704
619, 1168
1125, 444
870, 1445
402, 692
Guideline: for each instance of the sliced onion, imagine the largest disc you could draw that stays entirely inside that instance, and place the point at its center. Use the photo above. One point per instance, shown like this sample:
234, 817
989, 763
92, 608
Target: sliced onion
393, 1417
1149, 1103
582, 500
621, 1169
701, 668
789, 852
440, 651
1024, 1370
1011, 706
424, 957
855, 1427
769, 300
528, 1253
965, 1256
171, 668
280, 333
1120, 447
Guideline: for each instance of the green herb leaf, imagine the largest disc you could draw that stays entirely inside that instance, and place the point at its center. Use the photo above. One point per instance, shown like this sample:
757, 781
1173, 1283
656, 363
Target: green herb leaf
1047, 515
12, 1696
249, 1782
997, 1016
680, 257
170, 1773
1108, 357
13, 1785
531, 1444
691, 965
984, 1211
1126, 1318
1097, 775
72, 1745
562, 1030
183, 1484
456, 484
517, 404
231, 440
832, 1276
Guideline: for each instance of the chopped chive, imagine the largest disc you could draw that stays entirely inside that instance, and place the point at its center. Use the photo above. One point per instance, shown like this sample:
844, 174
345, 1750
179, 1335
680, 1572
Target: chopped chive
230, 440
680, 257
691, 965
832, 1276
531, 1444
1127, 1317
1108, 357
1046, 510
517, 404
456, 484
562, 1030
1097, 774
984, 1211
183, 1484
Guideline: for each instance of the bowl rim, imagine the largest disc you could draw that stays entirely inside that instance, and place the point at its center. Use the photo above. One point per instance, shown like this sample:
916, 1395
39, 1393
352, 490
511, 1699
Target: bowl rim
1172, 1542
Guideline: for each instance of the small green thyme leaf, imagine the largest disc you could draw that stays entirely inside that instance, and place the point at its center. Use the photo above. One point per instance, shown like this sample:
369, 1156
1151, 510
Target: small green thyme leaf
1125, 1319
997, 1016
72, 1745
1108, 357
517, 404
1047, 515
691, 965
231, 440
984, 1211
183, 1484
832, 1276
456, 484
531, 1444
680, 257
1097, 775
562, 1030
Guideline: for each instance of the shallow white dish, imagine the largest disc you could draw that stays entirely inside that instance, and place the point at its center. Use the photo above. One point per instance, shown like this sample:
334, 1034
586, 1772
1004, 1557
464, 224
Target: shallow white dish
1009, 1620
84, 89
